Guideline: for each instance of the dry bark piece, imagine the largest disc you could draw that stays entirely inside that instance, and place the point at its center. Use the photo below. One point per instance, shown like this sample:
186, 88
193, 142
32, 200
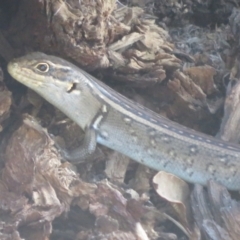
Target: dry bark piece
108, 201
216, 214
97, 34
10, 201
116, 161
5, 101
230, 127
141, 180
203, 77
8, 235
188, 96
214, 232
234, 23
126, 41
88, 21
187, 89
117, 216
33, 168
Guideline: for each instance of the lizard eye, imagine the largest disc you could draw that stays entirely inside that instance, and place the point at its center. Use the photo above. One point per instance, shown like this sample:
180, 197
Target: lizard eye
42, 67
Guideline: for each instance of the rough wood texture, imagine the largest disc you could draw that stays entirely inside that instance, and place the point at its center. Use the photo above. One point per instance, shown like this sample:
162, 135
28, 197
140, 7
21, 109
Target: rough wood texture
162, 54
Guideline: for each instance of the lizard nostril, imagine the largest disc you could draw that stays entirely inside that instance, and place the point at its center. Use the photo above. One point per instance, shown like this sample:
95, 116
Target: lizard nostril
15, 64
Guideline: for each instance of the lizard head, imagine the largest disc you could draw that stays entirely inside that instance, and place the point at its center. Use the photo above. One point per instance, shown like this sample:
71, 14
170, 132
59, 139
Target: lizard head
58, 81
37, 70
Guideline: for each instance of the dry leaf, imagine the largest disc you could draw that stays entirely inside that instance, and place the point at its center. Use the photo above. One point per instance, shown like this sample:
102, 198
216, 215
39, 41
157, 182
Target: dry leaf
177, 193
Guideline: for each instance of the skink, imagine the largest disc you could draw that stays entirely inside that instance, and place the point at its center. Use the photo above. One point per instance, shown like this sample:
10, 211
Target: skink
112, 120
